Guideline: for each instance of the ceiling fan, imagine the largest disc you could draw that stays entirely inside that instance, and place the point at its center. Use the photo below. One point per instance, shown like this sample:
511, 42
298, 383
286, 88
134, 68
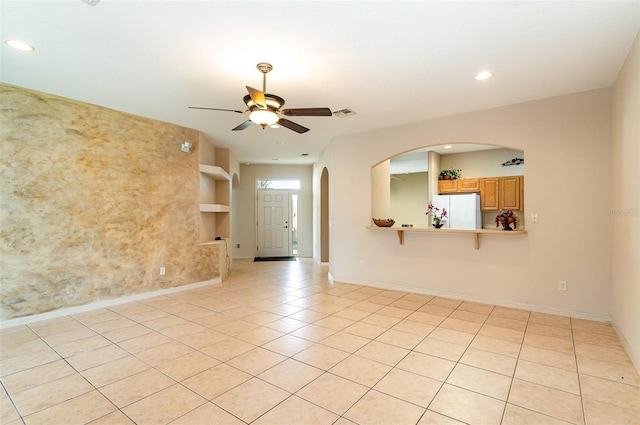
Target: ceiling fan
264, 107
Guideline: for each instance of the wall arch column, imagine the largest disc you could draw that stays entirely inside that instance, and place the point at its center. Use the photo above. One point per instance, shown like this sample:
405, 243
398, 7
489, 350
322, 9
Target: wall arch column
324, 216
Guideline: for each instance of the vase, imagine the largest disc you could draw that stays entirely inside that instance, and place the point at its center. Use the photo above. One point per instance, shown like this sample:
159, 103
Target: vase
438, 225
506, 223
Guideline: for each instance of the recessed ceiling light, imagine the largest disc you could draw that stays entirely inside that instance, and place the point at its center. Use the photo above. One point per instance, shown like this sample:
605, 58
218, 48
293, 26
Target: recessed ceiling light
484, 75
19, 45
447, 146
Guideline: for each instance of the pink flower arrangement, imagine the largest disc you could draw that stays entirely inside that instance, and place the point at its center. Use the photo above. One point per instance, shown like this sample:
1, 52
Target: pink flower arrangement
438, 217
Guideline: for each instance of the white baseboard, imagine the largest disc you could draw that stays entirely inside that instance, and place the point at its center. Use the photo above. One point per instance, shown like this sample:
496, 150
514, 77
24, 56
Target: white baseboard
102, 304
490, 301
626, 346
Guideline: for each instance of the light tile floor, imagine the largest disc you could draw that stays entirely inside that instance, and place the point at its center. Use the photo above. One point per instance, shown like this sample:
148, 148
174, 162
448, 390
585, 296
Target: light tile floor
276, 343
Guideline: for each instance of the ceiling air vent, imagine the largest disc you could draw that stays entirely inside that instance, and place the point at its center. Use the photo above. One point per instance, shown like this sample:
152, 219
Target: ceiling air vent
342, 113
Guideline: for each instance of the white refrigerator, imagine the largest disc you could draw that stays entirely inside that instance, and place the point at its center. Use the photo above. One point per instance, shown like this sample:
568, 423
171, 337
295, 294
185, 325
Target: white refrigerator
463, 210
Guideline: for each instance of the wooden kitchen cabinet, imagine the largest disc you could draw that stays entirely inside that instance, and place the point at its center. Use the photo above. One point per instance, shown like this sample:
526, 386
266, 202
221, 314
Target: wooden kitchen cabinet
469, 185
521, 193
458, 186
510, 197
447, 186
496, 193
489, 193
502, 193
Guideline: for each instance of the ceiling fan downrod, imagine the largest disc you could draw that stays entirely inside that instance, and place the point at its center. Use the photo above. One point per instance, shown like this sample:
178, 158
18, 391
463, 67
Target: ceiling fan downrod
265, 68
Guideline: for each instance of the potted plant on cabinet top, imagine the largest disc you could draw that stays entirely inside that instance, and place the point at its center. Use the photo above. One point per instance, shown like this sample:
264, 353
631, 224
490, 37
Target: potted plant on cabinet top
451, 174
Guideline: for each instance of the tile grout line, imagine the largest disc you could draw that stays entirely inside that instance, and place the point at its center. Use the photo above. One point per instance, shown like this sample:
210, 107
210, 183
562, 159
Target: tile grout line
515, 368
575, 356
13, 403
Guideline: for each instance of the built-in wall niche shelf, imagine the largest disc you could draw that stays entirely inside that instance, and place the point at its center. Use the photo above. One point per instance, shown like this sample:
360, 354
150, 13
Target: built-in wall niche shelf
475, 232
214, 172
220, 175
215, 242
214, 200
214, 208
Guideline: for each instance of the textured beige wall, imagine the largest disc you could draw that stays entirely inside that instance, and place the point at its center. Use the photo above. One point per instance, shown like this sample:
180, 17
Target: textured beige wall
93, 202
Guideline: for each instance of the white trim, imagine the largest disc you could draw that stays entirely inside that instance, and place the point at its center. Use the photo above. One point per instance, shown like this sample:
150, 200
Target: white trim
509, 304
626, 346
102, 304
330, 276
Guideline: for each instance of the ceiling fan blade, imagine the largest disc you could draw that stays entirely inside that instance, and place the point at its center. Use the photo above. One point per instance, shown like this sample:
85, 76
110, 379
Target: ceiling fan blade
242, 126
218, 109
258, 97
292, 126
307, 112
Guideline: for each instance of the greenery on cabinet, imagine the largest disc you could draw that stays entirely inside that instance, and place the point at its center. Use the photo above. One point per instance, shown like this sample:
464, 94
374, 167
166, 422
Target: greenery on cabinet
450, 174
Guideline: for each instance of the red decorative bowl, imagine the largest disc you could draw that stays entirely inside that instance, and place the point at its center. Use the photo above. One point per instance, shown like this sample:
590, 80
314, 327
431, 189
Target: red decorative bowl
384, 222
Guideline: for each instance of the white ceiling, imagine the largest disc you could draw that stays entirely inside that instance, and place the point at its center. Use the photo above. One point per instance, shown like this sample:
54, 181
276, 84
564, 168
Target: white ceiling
391, 62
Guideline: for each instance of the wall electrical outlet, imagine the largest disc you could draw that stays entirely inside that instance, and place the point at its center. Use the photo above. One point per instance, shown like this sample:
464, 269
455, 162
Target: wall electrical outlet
562, 285
163, 271
361, 264
534, 217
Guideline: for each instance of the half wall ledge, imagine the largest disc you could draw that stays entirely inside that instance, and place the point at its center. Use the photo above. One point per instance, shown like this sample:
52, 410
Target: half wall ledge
475, 232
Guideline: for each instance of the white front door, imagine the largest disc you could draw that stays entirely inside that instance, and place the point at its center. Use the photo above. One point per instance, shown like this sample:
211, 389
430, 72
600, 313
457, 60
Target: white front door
273, 223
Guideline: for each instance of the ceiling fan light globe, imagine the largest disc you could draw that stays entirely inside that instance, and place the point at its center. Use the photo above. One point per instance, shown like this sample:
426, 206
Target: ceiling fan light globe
263, 117
19, 45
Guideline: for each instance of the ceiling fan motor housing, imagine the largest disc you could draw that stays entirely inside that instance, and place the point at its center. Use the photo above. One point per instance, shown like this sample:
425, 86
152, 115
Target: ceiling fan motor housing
274, 103
268, 116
